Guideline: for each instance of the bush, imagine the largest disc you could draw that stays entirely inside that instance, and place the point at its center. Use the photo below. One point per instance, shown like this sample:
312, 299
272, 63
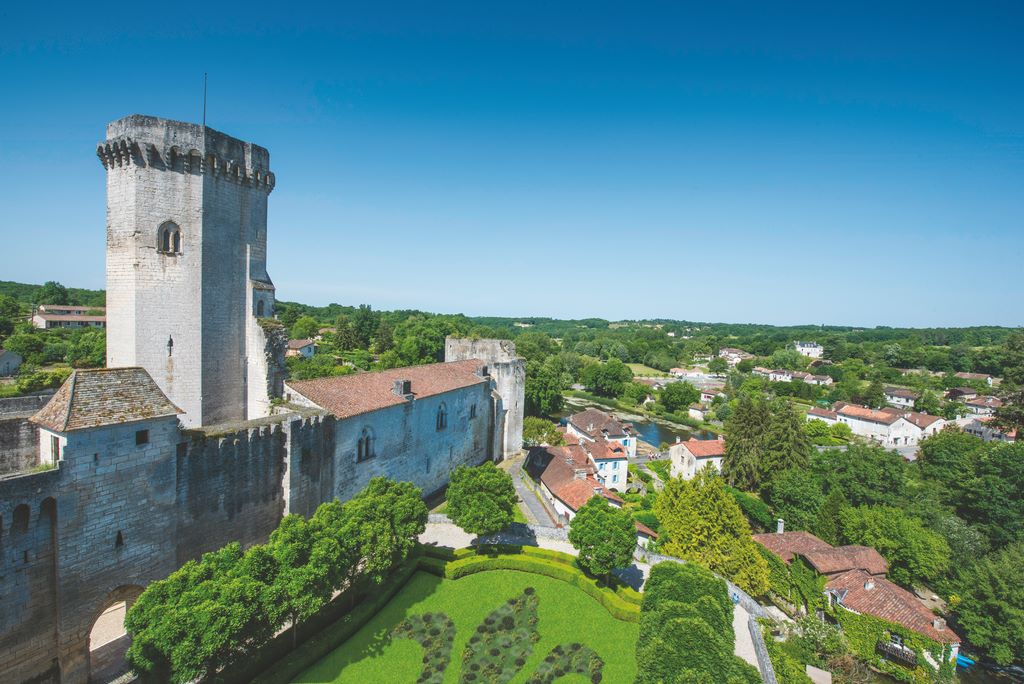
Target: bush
756, 511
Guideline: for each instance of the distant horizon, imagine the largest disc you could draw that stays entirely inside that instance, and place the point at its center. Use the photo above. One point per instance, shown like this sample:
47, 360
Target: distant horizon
778, 163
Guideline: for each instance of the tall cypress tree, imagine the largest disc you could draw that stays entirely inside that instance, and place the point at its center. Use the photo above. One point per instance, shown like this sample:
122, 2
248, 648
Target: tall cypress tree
786, 444
745, 432
827, 526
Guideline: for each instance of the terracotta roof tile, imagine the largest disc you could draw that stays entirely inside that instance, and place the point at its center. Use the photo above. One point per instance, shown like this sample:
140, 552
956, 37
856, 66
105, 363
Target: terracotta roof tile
887, 601
864, 413
822, 413
843, 558
705, 448
595, 423
568, 475
351, 395
107, 396
786, 544
299, 344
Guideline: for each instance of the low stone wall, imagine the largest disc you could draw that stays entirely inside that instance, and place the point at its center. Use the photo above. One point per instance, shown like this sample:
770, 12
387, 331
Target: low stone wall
27, 404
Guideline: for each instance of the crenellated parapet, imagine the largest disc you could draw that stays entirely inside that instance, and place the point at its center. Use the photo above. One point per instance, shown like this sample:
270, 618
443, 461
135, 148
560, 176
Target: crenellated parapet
124, 152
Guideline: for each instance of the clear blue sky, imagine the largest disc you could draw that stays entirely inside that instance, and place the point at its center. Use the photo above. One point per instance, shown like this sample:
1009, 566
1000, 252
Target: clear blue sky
765, 162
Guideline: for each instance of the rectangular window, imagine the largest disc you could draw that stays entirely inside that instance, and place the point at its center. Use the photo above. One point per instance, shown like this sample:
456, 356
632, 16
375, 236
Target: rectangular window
55, 447
615, 478
602, 465
141, 437
472, 411
615, 465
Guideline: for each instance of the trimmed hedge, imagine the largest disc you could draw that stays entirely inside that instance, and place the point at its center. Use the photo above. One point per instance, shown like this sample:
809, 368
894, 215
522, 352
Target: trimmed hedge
619, 607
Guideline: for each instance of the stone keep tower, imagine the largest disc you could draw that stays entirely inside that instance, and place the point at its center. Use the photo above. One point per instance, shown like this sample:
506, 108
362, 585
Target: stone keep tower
187, 282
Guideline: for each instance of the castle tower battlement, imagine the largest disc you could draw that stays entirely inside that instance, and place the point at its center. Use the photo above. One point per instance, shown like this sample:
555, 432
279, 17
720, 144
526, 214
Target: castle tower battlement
186, 264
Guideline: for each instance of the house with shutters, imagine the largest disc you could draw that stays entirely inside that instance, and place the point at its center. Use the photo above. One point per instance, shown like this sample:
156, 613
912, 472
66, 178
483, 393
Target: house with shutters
593, 425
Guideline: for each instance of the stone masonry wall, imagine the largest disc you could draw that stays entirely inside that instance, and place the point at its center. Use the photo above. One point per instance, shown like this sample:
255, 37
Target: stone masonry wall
19, 449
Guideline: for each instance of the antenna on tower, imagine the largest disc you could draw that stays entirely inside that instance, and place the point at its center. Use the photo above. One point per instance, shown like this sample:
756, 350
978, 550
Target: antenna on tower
204, 99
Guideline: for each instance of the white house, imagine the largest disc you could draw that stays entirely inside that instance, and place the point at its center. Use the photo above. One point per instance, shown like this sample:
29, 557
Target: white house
824, 380
691, 456
981, 377
982, 427
48, 316
983, 405
592, 425
304, 348
698, 412
610, 462
780, 375
811, 350
9, 362
900, 397
708, 395
733, 356
816, 413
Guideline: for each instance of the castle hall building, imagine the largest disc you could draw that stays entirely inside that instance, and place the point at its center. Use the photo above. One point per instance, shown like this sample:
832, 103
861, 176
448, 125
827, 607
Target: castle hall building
191, 438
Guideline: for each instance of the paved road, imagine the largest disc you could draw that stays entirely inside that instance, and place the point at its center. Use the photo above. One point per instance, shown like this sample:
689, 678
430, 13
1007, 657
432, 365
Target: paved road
533, 508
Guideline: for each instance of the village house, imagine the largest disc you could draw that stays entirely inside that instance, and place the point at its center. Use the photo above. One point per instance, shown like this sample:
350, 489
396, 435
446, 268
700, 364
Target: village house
983, 427
811, 350
304, 348
9, 362
698, 412
49, 316
608, 458
900, 397
568, 478
961, 394
889, 426
983, 405
592, 425
733, 356
856, 581
690, 457
708, 395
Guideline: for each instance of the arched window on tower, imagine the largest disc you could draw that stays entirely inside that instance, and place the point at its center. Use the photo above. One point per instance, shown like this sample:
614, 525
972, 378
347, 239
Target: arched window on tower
365, 449
442, 417
169, 238
260, 309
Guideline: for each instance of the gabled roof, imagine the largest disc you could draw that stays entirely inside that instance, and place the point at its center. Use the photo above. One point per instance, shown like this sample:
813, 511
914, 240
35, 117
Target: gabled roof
603, 450
864, 413
597, 423
299, 344
972, 376
860, 592
106, 396
822, 413
786, 544
921, 420
840, 559
351, 395
901, 393
568, 475
705, 448
985, 402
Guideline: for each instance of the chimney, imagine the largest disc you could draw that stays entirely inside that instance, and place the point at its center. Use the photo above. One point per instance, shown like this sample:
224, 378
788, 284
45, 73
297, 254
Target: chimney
869, 584
579, 474
780, 526
678, 439
483, 372
403, 388
939, 624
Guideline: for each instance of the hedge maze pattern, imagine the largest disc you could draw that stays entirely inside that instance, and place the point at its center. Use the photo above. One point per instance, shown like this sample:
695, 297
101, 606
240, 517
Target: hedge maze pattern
435, 632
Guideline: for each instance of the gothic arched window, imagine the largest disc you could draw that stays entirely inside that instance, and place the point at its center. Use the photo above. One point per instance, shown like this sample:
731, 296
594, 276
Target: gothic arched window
365, 448
442, 417
169, 238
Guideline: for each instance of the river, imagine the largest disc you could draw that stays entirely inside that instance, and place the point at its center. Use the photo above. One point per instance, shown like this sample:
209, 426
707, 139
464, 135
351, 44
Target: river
653, 432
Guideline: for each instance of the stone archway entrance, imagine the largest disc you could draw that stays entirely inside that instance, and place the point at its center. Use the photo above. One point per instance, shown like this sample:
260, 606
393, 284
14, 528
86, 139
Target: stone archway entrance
108, 641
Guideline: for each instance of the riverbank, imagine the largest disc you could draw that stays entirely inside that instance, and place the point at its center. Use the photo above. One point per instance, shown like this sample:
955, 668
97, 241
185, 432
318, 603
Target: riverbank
653, 428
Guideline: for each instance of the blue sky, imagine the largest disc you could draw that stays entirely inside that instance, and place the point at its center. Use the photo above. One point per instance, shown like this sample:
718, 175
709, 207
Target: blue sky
764, 162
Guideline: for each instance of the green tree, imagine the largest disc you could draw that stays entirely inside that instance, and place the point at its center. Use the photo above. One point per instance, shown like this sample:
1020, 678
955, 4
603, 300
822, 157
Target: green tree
537, 431
384, 338
677, 396
866, 474
543, 391
914, 553
828, 525
874, 395
344, 336
607, 379
605, 537
818, 431
928, 403
364, 325
10, 316
717, 366
786, 444
796, 495
991, 607
384, 521
947, 458
52, 292
305, 328
704, 524
992, 499
481, 500
745, 432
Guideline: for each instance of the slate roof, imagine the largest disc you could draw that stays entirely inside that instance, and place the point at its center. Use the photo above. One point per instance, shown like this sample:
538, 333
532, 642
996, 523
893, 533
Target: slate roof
106, 396
595, 423
351, 395
887, 601
787, 544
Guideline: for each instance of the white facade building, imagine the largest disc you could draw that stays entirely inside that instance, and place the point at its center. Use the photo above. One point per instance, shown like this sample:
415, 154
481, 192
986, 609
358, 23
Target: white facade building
811, 350
690, 457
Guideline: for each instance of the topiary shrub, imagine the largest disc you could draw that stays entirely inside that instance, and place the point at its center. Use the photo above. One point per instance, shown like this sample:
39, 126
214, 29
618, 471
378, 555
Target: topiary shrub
504, 641
435, 632
566, 659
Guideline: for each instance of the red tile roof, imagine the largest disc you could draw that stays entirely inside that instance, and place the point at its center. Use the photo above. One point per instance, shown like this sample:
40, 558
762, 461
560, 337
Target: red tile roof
569, 475
986, 402
864, 413
787, 544
972, 376
603, 450
705, 448
595, 423
887, 601
644, 529
822, 413
299, 344
843, 558
901, 392
351, 395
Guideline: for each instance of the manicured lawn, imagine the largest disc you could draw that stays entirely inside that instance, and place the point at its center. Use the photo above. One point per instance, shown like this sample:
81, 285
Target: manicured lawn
642, 371
564, 615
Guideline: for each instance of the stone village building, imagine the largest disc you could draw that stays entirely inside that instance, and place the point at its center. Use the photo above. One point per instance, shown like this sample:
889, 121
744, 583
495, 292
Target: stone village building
179, 447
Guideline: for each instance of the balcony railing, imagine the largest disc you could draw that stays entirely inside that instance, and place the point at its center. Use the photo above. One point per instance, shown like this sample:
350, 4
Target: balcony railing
897, 653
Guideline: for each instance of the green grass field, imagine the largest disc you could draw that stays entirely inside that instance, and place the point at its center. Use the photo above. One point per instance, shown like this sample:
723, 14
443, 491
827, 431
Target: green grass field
565, 615
640, 370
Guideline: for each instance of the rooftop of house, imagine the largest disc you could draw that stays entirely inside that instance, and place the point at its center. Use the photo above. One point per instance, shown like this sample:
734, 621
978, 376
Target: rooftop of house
71, 317
985, 402
351, 395
822, 413
105, 396
901, 392
860, 592
644, 530
972, 376
787, 544
921, 420
299, 344
595, 423
865, 413
603, 450
568, 475
45, 308
963, 391
705, 448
